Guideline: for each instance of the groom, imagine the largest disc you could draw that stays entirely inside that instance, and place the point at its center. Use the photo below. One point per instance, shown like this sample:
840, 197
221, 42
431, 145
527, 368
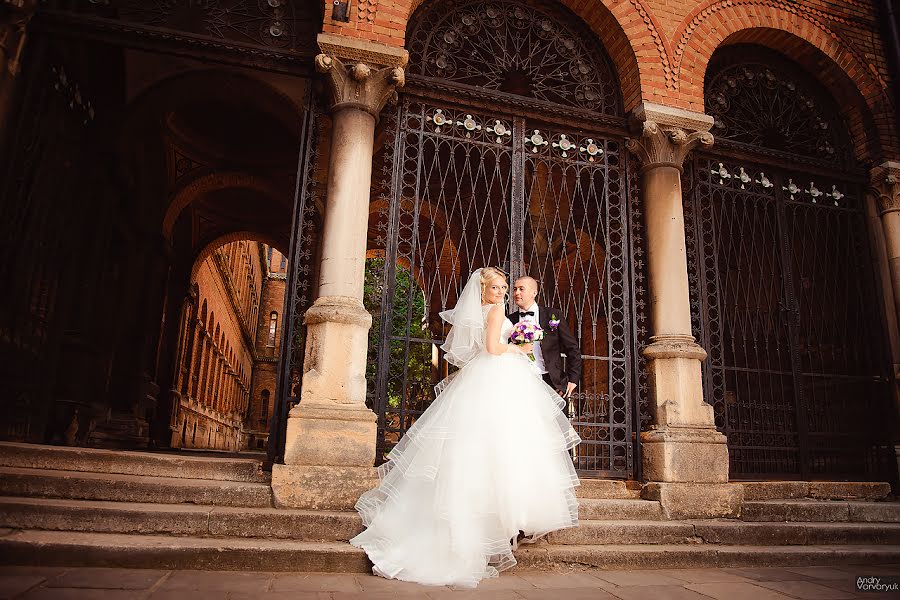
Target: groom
556, 340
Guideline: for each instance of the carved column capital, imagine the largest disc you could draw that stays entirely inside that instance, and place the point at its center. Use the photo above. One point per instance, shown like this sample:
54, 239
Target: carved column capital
360, 74
667, 135
884, 184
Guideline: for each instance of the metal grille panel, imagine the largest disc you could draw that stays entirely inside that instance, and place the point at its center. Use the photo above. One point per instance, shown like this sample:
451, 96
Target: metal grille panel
472, 189
796, 370
575, 245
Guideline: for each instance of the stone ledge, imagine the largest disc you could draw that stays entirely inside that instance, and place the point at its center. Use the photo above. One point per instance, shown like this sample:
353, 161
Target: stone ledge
372, 53
670, 116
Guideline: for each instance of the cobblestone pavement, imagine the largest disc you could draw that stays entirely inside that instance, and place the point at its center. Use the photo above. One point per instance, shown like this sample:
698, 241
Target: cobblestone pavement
807, 583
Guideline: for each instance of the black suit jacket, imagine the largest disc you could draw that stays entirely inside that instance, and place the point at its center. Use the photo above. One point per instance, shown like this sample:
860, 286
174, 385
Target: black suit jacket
554, 344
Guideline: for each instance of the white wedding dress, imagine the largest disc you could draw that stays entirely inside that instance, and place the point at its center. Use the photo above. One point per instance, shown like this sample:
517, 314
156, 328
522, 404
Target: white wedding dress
487, 459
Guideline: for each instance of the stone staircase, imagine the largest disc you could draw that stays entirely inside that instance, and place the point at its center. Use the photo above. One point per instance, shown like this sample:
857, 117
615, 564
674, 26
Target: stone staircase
84, 507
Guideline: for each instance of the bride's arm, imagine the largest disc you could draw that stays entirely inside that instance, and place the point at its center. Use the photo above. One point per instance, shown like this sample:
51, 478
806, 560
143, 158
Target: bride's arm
492, 333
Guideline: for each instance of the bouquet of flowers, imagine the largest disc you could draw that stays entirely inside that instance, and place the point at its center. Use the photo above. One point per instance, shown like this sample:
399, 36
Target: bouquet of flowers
526, 332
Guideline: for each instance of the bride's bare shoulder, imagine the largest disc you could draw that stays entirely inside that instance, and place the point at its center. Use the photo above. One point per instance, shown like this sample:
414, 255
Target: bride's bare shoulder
493, 310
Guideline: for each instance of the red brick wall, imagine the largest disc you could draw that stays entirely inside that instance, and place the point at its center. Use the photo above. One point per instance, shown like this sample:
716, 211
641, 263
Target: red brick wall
229, 283
265, 372
661, 49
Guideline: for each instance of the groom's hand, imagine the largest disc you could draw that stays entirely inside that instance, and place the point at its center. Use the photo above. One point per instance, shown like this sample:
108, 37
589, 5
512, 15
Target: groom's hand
569, 389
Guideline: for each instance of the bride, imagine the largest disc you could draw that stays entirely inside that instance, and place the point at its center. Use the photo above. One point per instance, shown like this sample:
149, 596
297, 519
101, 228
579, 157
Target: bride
488, 459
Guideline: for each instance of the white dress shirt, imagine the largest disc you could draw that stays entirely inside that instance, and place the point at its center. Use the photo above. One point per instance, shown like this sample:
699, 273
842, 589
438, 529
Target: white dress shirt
538, 357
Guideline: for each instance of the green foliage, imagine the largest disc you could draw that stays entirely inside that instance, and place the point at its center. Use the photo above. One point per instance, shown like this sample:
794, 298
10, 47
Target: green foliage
409, 320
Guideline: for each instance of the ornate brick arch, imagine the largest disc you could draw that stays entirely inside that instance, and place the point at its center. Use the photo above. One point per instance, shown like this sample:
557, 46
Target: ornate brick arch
608, 20
800, 34
237, 236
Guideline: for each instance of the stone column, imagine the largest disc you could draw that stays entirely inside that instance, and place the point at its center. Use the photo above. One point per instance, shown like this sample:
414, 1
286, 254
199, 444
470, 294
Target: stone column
885, 188
330, 442
684, 457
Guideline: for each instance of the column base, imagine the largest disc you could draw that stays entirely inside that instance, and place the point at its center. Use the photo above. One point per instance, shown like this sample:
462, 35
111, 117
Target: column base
330, 434
321, 487
696, 500
673, 362
335, 361
684, 454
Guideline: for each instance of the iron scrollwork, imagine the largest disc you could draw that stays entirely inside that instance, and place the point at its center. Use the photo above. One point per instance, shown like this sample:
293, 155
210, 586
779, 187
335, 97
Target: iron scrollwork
523, 48
798, 117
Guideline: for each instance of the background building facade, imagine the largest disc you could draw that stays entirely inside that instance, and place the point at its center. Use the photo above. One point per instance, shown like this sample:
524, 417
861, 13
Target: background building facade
708, 190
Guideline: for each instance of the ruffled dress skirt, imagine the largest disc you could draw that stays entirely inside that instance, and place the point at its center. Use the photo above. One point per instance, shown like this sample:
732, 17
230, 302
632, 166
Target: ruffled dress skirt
489, 458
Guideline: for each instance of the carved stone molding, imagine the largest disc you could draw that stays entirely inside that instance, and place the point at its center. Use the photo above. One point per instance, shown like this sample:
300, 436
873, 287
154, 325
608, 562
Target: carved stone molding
353, 50
667, 135
356, 84
885, 186
14, 18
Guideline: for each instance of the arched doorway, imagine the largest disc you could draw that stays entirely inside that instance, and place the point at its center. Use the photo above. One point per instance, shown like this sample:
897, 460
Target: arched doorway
228, 346
784, 287
506, 149
112, 199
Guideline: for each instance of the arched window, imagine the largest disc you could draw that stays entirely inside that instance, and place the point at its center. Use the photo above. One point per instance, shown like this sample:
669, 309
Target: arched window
273, 326
283, 263
537, 50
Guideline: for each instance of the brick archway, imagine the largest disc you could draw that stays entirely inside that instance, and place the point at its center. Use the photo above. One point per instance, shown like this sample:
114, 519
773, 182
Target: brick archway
800, 36
236, 236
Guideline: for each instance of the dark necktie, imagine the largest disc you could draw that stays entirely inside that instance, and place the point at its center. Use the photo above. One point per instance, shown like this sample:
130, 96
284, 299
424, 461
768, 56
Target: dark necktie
524, 313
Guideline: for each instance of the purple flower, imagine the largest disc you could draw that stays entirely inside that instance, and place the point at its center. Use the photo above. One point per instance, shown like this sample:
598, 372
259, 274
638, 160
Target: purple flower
554, 323
526, 332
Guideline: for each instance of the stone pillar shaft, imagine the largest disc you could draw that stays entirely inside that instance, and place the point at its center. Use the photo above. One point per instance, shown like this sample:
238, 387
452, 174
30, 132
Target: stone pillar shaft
329, 450
684, 458
670, 308
886, 188
347, 212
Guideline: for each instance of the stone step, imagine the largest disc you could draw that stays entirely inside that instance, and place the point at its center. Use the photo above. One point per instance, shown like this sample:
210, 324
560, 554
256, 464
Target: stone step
66, 548
820, 510
551, 557
625, 532
189, 519
608, 489
177, 519
730, 532
819, 490
131, 488
619, 509
60, 458
272, 523
54, 548
726, 532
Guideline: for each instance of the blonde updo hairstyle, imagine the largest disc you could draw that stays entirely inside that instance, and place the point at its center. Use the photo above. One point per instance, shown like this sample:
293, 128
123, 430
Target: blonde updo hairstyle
488, 274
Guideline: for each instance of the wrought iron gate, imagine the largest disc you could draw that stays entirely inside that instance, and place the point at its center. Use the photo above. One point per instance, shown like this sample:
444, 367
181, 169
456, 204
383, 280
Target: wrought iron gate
786, 303
471, 188
302, 271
